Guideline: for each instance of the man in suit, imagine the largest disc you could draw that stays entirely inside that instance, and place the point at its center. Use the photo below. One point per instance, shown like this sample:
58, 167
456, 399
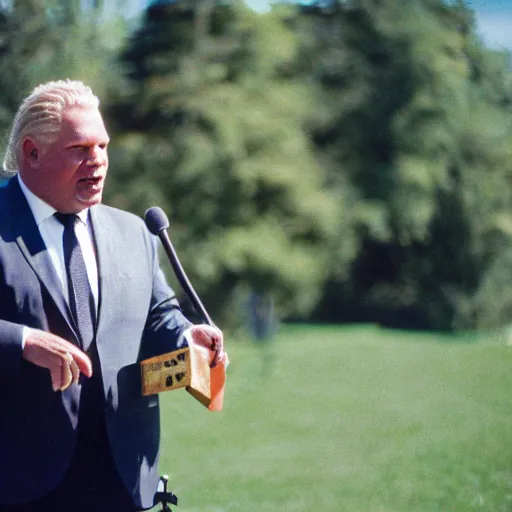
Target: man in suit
82, 301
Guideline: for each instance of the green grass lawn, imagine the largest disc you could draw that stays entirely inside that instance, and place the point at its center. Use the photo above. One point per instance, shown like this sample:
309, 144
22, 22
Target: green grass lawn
348, 419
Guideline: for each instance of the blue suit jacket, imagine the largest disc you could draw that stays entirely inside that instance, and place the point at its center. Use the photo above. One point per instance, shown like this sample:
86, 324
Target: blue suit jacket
138, 317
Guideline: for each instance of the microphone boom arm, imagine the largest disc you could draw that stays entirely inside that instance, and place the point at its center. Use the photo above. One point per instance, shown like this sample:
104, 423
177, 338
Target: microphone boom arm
183, 279
157, 223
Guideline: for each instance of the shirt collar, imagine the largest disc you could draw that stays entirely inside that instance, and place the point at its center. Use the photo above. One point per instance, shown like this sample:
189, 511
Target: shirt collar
42, 210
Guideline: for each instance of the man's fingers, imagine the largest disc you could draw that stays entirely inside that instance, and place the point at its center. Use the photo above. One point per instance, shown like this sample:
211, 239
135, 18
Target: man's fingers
207, 336
80, 358
67, 375
210, 337
75, 371
69, 372
41, 346
56, 374
64, 360
82, 361
63, 371
54, 362
222, 357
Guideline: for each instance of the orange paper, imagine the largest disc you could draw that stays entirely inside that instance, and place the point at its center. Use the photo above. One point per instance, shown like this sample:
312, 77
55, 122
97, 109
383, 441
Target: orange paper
217, 384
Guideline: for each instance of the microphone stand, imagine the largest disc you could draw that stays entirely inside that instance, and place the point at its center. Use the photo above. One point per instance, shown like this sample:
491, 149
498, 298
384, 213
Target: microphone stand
157, 223
183, 279
165, 497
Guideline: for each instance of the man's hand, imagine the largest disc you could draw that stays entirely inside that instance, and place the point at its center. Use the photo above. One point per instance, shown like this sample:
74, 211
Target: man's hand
64, 360
211, 338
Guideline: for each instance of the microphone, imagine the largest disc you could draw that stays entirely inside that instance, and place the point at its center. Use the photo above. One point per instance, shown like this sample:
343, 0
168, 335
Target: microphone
156, 220
157, 223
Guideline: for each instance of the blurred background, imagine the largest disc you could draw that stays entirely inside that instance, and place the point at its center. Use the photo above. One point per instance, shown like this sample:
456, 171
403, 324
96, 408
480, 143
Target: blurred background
330, 161
337, 175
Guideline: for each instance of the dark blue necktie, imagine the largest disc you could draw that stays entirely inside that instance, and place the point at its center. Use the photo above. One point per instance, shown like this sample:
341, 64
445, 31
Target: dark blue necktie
81, 300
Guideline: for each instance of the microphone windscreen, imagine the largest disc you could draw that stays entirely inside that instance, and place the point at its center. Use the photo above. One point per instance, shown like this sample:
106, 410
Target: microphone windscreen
156, 220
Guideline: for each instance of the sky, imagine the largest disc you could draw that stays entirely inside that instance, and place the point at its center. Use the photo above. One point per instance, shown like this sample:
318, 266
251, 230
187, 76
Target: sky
494, 22
493, 18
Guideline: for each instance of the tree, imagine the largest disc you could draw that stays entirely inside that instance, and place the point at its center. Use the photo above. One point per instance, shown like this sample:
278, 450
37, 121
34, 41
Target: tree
49, 40
21, 42
418, 120
213, 134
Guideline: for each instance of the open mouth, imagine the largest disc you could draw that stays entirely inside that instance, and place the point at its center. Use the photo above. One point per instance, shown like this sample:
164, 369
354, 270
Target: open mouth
91, 180
91, 184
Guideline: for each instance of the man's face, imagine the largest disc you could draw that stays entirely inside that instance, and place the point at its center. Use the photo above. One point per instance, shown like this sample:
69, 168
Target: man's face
69, 174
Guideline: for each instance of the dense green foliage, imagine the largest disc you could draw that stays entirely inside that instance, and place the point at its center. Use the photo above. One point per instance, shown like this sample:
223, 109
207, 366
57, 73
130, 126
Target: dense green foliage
419, 119
351, 159
224, 125
358, 419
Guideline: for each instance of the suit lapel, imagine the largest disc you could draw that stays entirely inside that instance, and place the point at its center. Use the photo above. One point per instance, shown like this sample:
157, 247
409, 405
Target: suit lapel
103, 247
31, 244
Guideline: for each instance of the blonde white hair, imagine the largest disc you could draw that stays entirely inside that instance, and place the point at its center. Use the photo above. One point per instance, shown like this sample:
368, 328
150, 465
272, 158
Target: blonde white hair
40, 115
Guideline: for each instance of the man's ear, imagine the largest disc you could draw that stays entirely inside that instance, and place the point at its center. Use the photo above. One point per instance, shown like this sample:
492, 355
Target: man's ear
31, 152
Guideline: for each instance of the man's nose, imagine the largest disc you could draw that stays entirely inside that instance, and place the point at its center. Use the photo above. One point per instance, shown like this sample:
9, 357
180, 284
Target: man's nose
97, 156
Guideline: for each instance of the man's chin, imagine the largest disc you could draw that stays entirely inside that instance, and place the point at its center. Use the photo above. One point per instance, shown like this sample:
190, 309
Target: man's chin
88, 200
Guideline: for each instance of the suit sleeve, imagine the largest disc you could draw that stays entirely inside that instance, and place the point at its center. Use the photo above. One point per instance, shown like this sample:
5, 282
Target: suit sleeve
166, 322
11, 336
